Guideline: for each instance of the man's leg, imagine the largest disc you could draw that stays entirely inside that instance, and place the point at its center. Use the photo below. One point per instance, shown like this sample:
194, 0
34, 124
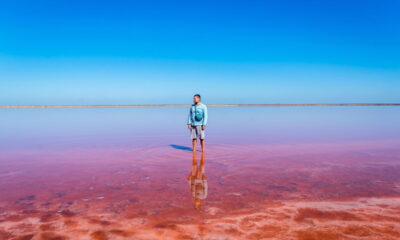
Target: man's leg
194, 141
202, 137
202, 144
193, 135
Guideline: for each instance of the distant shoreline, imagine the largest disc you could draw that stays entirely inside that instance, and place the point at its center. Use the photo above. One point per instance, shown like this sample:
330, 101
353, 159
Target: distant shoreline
210, 105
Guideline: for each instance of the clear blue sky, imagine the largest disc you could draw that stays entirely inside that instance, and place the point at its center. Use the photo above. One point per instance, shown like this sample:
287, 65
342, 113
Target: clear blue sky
127, 52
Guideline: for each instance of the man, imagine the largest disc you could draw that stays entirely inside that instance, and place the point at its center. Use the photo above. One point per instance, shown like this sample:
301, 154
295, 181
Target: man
197, 121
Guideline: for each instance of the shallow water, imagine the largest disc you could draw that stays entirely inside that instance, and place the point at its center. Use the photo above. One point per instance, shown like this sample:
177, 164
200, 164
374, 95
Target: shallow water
267, 173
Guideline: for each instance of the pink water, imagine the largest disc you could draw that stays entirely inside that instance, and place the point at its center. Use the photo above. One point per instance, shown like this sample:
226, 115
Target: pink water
272, 173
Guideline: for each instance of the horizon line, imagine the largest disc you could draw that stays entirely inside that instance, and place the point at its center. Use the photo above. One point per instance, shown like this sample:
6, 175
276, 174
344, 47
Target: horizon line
209, 105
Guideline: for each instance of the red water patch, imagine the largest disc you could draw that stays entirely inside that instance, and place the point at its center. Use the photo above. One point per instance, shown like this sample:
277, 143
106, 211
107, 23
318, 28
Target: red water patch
311, 213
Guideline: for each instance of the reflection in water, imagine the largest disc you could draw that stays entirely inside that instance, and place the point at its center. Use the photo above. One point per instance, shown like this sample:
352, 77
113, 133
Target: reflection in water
198, 181
320, 191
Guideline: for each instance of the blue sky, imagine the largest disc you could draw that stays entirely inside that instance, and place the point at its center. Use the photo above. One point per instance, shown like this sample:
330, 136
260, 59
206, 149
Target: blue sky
127, 52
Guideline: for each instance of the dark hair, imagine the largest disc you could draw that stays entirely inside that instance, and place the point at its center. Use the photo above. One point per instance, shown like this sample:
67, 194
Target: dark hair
197, 95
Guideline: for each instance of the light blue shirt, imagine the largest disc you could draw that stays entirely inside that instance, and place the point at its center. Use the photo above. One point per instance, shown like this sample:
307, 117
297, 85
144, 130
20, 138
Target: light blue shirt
201, 110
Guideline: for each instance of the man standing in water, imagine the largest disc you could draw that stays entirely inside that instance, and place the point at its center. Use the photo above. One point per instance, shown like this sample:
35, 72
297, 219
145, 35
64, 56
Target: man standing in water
197, 121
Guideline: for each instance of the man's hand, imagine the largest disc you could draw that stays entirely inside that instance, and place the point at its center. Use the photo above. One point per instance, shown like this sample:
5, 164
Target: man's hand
189, 126
203, 127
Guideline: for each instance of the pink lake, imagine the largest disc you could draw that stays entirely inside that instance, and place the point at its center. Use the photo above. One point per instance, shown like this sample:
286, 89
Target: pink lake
268, 173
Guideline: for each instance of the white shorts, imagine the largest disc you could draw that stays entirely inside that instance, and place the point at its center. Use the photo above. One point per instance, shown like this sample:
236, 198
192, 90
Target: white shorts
197, 132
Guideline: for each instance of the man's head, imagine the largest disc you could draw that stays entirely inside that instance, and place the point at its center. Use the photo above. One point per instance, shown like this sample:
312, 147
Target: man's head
196, 98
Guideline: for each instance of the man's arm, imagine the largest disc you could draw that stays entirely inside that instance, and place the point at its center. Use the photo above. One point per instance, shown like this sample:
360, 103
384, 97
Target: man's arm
189, 121
205, 119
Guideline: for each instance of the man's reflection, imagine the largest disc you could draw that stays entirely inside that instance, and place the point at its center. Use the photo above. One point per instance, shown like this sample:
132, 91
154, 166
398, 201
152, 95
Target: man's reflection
197, 181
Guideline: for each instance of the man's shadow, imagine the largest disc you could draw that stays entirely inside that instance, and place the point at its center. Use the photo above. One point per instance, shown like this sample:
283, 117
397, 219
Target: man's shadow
184, 148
